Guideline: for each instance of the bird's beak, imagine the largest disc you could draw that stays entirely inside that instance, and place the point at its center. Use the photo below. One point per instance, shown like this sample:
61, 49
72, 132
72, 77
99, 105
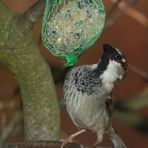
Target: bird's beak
124, 64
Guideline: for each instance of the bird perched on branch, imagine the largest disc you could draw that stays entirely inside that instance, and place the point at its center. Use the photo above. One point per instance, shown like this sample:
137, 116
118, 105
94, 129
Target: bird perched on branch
87, 92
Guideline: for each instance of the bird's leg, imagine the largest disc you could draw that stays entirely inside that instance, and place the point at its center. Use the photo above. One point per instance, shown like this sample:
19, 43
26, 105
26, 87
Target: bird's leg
71, 137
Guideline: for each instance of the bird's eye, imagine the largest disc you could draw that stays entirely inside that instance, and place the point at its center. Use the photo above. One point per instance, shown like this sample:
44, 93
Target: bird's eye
119, 57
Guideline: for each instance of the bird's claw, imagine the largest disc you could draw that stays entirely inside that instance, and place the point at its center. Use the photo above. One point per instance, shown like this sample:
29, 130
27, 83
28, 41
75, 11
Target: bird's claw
65, 141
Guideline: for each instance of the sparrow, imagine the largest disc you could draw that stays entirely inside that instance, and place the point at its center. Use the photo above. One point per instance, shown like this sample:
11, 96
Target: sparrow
87, 94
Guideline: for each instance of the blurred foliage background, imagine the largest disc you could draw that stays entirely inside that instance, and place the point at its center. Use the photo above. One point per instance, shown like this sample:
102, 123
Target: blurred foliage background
129, 33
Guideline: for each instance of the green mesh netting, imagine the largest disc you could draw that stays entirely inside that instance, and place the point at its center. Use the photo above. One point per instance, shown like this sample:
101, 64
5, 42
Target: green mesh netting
72, 26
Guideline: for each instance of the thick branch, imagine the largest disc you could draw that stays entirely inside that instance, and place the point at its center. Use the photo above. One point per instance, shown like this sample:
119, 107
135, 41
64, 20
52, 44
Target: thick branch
6, 17
47, 144
20, 53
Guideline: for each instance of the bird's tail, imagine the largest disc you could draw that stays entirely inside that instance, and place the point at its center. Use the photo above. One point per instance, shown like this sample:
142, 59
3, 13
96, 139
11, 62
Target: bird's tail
115, 138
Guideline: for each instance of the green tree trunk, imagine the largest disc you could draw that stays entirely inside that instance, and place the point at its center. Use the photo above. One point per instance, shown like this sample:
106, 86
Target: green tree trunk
19, 51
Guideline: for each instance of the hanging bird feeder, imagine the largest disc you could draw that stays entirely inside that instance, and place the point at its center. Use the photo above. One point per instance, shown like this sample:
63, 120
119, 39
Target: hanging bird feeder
72, 26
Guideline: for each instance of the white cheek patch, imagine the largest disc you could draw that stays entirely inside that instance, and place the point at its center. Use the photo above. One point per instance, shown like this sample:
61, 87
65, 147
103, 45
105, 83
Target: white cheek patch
112, 73
114, 63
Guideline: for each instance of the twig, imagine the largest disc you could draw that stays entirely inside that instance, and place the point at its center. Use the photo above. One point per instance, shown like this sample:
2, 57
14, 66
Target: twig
114, 7
126, 9
138, 71
7, 131
121, 13
34, 13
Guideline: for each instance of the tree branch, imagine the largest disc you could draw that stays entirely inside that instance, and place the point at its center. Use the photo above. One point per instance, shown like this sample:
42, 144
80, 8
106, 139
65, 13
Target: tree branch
47, 144
114, 7
34, 13
19, 51
126, 9
142, 74
7, 131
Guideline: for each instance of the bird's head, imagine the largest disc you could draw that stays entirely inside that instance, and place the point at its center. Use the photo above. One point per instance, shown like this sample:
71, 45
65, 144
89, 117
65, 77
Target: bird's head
115, 59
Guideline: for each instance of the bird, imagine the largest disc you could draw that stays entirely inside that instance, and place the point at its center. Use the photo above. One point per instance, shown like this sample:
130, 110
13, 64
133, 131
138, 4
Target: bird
87, 95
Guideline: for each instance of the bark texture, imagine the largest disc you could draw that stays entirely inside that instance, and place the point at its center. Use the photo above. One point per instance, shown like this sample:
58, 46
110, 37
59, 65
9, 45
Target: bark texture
19, 51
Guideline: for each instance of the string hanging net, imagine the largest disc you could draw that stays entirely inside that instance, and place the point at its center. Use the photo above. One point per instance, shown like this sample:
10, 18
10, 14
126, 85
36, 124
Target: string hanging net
71, 26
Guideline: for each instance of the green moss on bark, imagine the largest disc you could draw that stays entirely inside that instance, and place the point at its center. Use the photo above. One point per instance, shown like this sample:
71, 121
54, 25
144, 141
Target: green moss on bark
19, 51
